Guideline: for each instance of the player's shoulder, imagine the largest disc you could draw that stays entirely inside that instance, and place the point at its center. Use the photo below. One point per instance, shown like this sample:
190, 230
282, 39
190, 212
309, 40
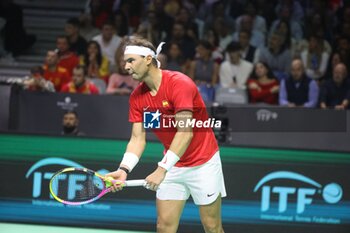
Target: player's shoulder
139, 90
175, 77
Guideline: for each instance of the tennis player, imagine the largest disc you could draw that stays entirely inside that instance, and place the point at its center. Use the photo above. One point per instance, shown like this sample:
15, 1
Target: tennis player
191, 164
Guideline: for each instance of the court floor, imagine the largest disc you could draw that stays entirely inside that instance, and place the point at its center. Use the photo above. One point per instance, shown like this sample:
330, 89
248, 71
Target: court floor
29, 228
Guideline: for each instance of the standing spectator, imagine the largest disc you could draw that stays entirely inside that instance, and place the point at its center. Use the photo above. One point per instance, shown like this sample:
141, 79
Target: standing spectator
67, 58
70, 124
79, 83
97, 65
277, 57
335, 92
77, 43
315, 58
37, 82
235, 71
16, 39
109, 41
263, 87
54, 73
298, 90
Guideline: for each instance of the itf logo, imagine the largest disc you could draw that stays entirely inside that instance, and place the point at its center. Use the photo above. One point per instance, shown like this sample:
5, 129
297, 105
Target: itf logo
303, 196
151, 120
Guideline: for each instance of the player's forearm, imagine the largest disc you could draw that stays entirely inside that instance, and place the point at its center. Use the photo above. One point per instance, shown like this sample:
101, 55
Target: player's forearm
180, 142
136, 146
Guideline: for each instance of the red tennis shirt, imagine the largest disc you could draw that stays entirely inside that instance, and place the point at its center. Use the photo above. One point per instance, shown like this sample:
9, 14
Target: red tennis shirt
177, 92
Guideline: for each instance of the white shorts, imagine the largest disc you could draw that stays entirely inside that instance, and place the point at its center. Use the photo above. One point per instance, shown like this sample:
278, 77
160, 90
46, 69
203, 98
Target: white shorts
204, 183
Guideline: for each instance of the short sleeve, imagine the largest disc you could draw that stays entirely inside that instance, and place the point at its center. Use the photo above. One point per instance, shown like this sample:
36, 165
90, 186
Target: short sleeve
135, 114
184, 91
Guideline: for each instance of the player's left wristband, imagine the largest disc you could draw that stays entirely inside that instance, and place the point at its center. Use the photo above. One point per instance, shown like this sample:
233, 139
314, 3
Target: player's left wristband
129, 160
169, 160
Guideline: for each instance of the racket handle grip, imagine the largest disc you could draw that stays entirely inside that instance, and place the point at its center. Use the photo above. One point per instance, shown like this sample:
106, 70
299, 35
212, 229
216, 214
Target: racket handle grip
133, 183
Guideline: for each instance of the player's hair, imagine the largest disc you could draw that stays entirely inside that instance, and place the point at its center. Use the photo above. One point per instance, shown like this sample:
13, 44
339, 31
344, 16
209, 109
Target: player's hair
139, 41
71, 112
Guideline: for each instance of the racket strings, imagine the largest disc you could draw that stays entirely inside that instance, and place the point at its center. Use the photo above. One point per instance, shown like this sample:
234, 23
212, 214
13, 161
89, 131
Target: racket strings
77, 186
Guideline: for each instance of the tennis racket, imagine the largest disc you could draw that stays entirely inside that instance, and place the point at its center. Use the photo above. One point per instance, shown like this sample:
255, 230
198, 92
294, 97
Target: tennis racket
78, 186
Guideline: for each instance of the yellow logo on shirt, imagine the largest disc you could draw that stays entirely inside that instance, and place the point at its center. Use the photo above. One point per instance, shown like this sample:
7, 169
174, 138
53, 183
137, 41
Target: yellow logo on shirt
165, 103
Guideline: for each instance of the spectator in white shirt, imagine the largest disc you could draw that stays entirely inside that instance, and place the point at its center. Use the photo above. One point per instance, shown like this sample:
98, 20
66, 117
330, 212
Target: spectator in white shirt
235, 71
109, 41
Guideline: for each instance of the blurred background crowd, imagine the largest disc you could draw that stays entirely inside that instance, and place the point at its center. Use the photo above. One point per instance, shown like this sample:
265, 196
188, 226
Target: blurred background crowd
293, 53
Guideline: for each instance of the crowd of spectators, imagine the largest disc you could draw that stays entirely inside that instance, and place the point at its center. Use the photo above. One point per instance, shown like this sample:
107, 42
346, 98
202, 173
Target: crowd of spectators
282, 52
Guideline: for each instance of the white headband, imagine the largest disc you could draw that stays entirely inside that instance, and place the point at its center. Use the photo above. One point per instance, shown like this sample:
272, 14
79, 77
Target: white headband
144, 51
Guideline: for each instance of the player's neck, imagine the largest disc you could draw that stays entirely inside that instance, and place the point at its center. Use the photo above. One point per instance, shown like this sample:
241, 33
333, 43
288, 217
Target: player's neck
154, 80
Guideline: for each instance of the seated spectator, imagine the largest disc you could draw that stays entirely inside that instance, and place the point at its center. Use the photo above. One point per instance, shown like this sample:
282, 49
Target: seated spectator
99, 12
285, 12
263, 87
187, 44
257, 38
213, 38
79, 83
67, 58
249, 52
108, 41
276, 56
54, 73
298, 90
37, 82
97, 65
87, 30
204, 70
315, 58
175, 59
235, 71
70, 124
258, 22
120, 82
77, 43
335, 92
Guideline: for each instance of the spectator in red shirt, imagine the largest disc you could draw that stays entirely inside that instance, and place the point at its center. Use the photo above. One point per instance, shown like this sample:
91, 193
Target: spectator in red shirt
79, 83
263, 87
67, 58
58, 75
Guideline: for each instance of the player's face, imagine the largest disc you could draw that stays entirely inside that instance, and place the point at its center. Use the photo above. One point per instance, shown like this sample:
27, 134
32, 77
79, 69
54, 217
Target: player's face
137, 66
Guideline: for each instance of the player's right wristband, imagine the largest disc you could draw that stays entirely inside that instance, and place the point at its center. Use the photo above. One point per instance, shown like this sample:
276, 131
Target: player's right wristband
169, 160
129, 160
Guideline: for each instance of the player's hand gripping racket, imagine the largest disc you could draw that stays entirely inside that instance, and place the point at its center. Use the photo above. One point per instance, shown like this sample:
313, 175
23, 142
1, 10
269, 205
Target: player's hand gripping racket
78, 186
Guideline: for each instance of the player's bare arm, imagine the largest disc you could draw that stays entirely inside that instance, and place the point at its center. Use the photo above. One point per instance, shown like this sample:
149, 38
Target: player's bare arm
132, 155
181, 141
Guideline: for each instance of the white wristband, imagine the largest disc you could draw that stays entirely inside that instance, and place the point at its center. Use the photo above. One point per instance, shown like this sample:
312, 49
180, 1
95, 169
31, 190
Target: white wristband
130, 160
169, 160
